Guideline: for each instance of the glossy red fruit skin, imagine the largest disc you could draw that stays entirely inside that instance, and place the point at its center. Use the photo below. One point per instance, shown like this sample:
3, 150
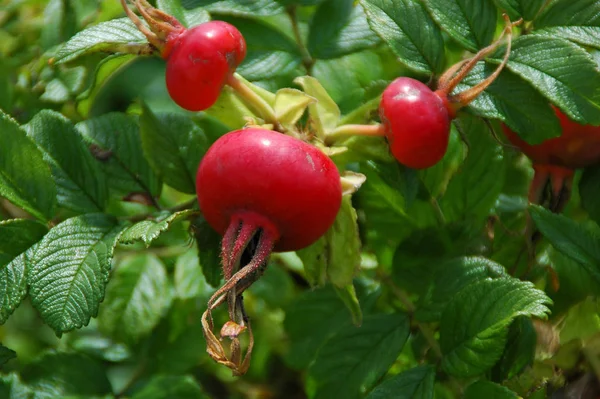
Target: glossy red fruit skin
199, 61
265, 175
416, 122
577, 147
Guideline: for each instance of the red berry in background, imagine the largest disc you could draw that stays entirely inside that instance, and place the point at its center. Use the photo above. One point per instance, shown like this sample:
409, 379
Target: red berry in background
416, 123
287, 188
199, 62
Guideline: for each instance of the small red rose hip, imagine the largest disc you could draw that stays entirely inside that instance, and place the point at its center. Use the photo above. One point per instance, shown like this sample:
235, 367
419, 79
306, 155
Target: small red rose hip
199, 62
416, 123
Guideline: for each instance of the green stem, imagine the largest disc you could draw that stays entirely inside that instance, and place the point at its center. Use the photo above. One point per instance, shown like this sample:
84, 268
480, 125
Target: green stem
307, 59
264, 109
344, 131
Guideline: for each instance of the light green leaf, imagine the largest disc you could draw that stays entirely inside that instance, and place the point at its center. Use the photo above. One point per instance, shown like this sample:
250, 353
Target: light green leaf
68, 270
230, 110
25, 178
570, 78
514, 102
407, 28
348, 295
416, 383
6, 355
474, 325
578, 21
188, 280
81, 184
209, 250
352, 361
149, 230
136, 298
290, 105
578, 242
473, 190
470, 22
164, 386
324, 114
314, 259
487, 389
115, 141
116, 35
339, 27
343, 246
174, 146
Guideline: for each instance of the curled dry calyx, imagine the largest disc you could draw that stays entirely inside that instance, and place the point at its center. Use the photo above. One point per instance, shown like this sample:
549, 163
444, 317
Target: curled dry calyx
263, 191
416, 119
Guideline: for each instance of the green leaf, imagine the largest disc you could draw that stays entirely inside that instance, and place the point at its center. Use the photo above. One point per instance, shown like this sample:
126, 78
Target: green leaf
17, 235
68, 270
582, 321
13, 285
310, 321
250, 8
6, 355
589, 191
578, 242
519, 351
578, 21
474, 325
270, 53
487, 389
186, 16
569, 79
230, 110
324, 114
57, 375
514, 102
25, 178
81, 184
188, 280
471, 23
165, 386
407, 28
343, 246
416, 383
314, 259
474, 189
348, 295
136, 298
354, 359
209, 250
404, 180
149, 230
116, 35
11, 387
289, 106
337, 28
174, 146
576, 282
114, 140
451, 277
528, 9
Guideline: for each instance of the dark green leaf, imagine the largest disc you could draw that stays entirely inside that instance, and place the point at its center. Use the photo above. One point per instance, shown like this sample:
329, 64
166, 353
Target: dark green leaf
149, 230
13, 285
275, 286
136, 298
114, 35
25, 178
513, 101
250, 8
348, 295
352, 361
519, 351
578, 242
416, 383
57, 375
209, 250
115, 142
164, 386
58, 24
528, 9
81, 184
270, 53
402, 179
578, 21
68, 270
174, 146
339, 27
187, 17
410, 32
569, 78
472, 23
474, 325
17, 235
589, 191
474, 189
310, 320
576, 282
487, 389
11, 387
6, 355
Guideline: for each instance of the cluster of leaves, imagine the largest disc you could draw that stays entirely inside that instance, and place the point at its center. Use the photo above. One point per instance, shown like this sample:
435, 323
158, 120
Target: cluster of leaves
434, 294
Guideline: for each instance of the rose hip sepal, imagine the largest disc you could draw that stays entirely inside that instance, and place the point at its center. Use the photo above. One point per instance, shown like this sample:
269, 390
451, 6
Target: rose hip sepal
263, 191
